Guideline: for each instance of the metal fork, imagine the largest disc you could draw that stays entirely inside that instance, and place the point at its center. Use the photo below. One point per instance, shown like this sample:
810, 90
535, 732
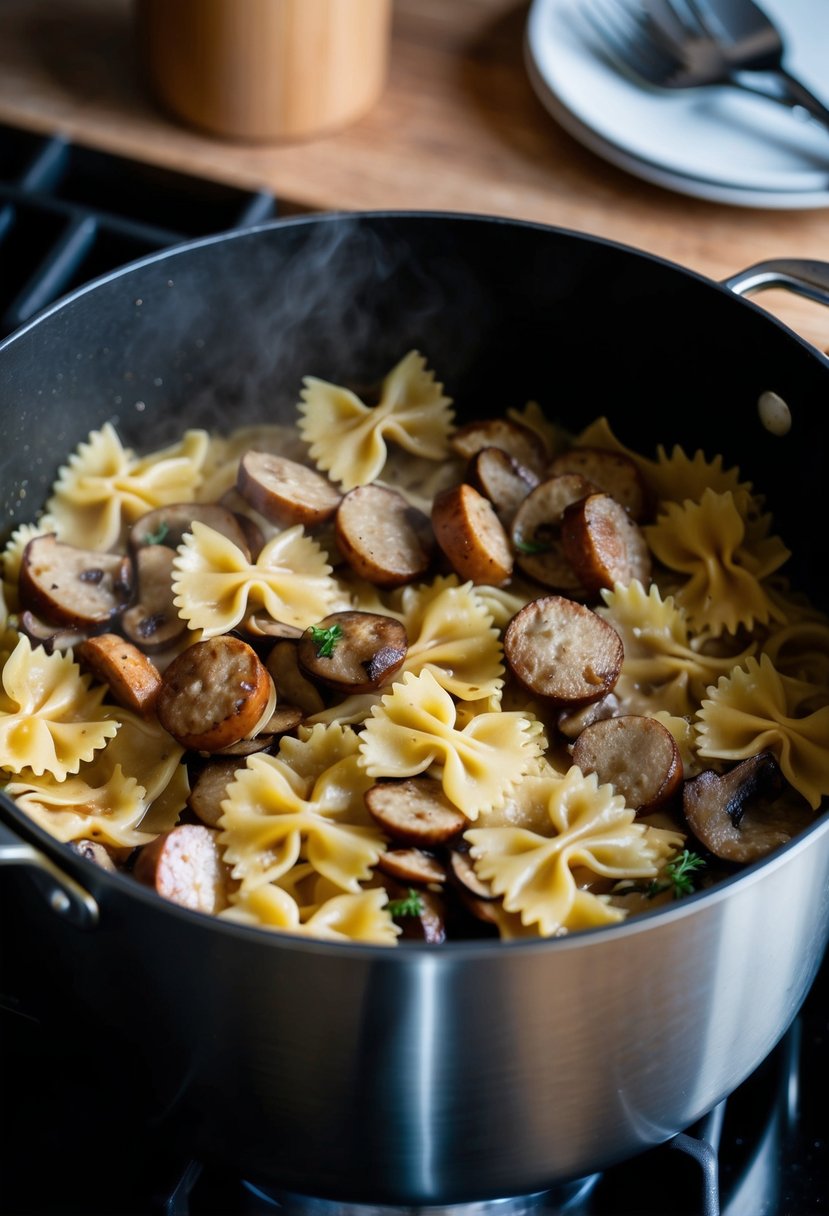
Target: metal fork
681, 44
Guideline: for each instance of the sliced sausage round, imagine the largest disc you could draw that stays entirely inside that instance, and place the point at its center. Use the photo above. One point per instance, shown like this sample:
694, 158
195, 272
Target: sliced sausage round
603, 544
284, 491
133, 679
382, 537
501, 479
519, 441
415, 811
185, 865
213, 694
563, 651
471, 535
637, 755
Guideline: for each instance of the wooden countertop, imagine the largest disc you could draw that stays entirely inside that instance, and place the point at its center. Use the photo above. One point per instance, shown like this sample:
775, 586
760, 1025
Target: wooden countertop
458, 128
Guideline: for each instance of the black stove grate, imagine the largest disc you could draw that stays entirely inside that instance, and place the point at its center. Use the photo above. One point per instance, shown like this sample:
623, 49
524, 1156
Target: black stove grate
69, 213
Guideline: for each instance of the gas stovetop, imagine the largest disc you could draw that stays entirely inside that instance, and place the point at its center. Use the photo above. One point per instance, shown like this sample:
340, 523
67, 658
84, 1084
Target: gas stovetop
70, 1140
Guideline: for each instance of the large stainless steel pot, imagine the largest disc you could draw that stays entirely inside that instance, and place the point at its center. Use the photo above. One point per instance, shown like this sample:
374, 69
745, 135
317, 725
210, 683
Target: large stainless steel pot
423, 1075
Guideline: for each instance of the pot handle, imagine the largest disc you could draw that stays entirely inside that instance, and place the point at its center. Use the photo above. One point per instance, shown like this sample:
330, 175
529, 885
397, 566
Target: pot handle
800, 275
63, 894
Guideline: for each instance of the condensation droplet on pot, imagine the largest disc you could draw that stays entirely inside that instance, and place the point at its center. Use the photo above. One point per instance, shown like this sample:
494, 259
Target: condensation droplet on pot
117, 400
140, 406
775, 415
138, 302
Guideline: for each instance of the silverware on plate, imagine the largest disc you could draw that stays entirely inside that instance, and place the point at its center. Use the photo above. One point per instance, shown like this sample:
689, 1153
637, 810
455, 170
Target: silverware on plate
681, 44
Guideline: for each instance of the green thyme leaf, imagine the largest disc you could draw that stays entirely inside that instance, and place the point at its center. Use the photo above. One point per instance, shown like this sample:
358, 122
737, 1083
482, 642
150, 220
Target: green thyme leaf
412, 905
325, 639
157, 538
680, 875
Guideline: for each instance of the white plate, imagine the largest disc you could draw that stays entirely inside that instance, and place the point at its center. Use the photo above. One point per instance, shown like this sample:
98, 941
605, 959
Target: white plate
717, 143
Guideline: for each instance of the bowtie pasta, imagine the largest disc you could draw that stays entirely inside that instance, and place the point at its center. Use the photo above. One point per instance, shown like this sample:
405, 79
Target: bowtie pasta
384, 676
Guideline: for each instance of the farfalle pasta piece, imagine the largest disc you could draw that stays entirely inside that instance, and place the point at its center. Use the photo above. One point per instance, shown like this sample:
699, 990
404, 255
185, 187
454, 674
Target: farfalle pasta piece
215, 586
662, 666
91, 806
414, 729
13, 556
589, 828
347, 438
754, 710
801, 650
104, 485
706, 542
132, 789
51, 719
276, 814
358, 918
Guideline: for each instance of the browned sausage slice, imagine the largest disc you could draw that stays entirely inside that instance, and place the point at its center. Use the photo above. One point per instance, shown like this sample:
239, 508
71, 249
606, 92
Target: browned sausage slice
502, 480
637, 755
563, 651
603, 544
415, 811
382, 537
513, 437
213, 694
153, 622
353, 651
471, 535
185, 865
133, 679
70, 586
536, 532
284, 491
613, 472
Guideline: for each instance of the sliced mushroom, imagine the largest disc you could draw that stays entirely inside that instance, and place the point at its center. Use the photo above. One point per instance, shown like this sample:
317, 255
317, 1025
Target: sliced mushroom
536, 532
97, 853
209, 790
428, 923
214, 694
153, 623
284, 719
284, 491
353, 651
603, 545
519, 441
734, 814
382, 537
471, 535
415, 811
613, 472
501, 479
134, 681
562, 651
185, 865
260, 625
291, 684
76, 588
50, 637
571, 722
411, 865
463, 872
637, 755
167, 525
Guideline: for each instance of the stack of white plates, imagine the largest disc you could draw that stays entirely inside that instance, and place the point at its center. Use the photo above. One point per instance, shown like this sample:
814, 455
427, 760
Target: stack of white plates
716, 142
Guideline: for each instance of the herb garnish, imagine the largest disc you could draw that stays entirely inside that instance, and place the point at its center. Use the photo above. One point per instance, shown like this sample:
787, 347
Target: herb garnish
412, 905
157, 538
680, 875
325, 639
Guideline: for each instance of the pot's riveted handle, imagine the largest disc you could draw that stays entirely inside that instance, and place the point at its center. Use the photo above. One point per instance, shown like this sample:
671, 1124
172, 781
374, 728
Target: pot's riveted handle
800, 275
64, 895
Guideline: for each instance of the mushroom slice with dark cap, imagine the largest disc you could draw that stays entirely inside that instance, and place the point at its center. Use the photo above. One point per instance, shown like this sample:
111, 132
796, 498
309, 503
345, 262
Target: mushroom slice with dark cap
739, 815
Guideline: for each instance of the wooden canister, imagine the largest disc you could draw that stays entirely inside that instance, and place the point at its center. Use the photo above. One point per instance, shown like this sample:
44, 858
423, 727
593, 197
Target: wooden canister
265, 69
